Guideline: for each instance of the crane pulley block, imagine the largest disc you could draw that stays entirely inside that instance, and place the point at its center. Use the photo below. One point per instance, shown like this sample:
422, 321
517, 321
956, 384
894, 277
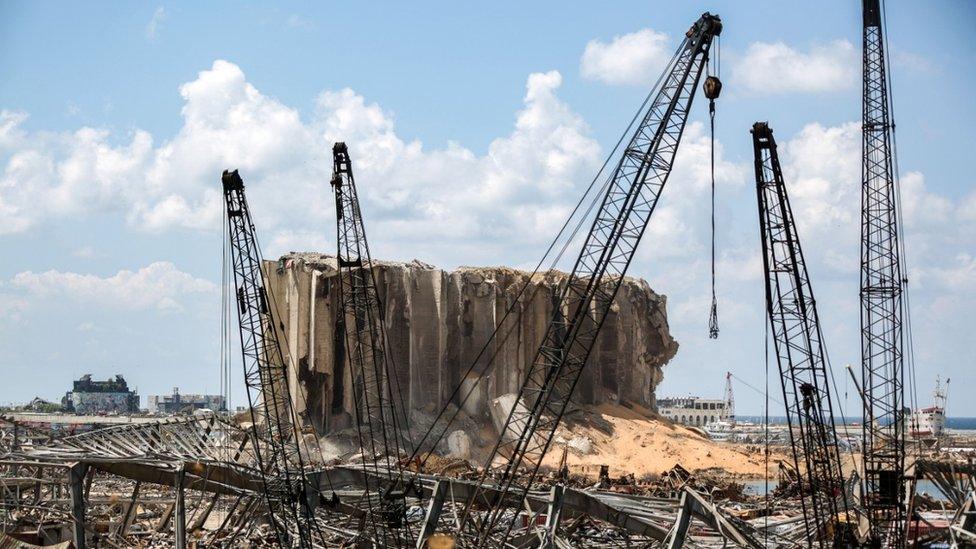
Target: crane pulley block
712, 87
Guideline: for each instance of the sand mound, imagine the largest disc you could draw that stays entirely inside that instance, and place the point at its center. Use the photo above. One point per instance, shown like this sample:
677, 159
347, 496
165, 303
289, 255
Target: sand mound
635, 440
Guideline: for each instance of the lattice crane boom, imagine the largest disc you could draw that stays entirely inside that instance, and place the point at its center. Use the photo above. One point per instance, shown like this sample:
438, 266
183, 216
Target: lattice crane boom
380, 424
798, 342
266, 378
729, 398
882, 279
362, 320
584, 302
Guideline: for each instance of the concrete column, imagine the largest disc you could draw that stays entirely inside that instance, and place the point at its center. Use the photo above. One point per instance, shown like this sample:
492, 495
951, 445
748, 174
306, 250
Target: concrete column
76, 477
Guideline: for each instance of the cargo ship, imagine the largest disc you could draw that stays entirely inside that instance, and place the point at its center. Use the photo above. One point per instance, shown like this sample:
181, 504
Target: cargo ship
928, 423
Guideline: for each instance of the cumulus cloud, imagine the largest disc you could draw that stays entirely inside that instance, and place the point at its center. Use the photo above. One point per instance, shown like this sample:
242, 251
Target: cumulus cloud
633, 59
450, 205
822, 167
160, 286
523, 185
772, 68
446, 205
61, 174
959, 275
967, 209
519, 191
677, 229
12, 307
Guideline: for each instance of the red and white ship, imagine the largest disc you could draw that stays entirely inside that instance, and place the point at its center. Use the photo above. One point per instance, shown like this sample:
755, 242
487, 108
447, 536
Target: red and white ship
928, 423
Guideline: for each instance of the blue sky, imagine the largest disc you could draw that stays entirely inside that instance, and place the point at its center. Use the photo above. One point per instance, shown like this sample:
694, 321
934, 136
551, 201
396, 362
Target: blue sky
474, 129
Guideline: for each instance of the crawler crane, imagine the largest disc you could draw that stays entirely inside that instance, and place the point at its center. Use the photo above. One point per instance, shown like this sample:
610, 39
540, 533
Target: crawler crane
800, 353
381, 424
584, 302
882, 301
266, 378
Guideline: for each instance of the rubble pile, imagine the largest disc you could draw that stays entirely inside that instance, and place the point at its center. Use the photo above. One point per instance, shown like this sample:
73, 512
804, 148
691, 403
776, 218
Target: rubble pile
192, 482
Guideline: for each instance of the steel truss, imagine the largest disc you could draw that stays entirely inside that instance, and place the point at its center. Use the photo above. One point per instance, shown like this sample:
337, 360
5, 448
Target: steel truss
266, 378
798, 341
882, 368
585, 300
379, 421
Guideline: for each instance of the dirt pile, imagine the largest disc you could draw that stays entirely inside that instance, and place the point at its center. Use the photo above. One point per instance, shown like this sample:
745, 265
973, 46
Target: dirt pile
633, 440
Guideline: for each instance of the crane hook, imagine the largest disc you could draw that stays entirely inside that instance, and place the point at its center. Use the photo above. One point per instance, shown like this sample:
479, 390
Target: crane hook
712, 88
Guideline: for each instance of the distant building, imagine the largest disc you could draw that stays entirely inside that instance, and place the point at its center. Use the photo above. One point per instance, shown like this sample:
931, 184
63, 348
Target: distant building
100, 397
38, 404
184, 404
693, 410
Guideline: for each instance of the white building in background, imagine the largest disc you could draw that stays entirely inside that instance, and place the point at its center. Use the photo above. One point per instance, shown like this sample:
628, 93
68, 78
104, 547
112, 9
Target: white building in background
693, 410
177, 403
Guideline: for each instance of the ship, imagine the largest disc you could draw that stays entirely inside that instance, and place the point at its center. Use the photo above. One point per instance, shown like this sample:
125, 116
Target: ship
928, 423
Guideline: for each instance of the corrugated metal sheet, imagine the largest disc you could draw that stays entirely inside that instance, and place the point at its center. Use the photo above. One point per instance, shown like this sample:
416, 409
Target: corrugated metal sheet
10, 542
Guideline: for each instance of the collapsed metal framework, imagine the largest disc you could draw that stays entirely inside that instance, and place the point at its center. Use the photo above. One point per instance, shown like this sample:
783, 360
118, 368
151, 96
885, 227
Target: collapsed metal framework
180, 481
585, 301
798, 340
266, 378
379, 422
47, 482
882, 364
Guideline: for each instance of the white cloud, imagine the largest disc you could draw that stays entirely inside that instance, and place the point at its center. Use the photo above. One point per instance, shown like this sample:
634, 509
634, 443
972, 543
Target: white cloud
676, 230
159, 286
822, 169
524, 185
919, 206
967, 208
450, 205
54, 175
636, 58
12, 307
957, 276
772, 68
287, 240
155, 23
